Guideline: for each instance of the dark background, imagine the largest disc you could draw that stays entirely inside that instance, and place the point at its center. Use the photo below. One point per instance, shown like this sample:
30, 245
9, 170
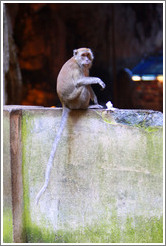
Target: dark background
40, 37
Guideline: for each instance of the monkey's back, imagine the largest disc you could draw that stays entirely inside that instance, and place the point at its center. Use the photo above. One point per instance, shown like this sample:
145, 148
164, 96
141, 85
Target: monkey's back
69, 95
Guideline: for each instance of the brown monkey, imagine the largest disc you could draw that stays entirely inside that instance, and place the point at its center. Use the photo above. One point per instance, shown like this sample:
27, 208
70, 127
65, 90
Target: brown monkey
74, 91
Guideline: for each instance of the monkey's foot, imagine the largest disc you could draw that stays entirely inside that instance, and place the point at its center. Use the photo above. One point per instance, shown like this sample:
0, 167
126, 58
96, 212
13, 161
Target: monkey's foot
95, 106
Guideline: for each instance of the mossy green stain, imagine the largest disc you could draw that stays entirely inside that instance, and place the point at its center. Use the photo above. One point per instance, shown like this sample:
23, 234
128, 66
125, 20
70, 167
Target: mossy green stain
137, 230
7, 205
143, 230
7, 226
154, 147
26, 122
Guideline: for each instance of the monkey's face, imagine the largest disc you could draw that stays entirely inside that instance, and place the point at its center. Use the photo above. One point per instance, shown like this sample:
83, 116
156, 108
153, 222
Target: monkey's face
84, 57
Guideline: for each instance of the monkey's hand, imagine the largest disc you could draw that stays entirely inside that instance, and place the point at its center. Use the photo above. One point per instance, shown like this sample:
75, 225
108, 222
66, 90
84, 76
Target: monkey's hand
102, 84
89, 81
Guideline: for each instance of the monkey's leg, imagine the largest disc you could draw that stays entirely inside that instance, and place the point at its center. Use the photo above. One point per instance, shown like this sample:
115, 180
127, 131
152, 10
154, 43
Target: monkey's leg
54, 147
94, 99
90, 81
93, 95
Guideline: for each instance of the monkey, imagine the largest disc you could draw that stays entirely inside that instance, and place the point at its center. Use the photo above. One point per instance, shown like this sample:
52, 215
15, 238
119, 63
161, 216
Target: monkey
75, 92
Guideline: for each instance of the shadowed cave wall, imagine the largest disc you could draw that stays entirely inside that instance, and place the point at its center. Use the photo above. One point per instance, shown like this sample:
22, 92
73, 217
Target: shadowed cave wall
45, 35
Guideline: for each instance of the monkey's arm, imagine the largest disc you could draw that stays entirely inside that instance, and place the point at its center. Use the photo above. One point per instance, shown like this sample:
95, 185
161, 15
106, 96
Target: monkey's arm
89, 81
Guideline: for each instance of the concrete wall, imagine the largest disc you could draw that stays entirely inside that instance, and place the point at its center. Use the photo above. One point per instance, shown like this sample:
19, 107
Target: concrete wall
106, 184
7, 193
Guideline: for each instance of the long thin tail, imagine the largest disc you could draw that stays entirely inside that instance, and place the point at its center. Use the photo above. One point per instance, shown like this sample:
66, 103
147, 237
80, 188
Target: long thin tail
52, 154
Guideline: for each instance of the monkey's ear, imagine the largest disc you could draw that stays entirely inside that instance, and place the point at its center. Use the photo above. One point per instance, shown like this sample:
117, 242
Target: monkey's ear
75, 52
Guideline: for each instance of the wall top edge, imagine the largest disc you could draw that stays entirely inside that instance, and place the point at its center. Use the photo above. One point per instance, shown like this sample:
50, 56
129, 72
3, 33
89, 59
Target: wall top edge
132, 117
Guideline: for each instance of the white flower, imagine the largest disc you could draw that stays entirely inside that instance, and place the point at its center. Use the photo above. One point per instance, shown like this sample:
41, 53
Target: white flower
109, 106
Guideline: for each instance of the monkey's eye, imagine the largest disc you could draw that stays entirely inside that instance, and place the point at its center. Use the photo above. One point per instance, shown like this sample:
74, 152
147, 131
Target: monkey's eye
83, 55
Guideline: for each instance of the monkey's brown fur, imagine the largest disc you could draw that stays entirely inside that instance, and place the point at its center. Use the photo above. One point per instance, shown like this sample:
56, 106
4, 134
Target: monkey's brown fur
74, 91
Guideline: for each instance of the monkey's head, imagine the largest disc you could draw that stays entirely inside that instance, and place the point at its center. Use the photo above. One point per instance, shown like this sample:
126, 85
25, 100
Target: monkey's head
83, 57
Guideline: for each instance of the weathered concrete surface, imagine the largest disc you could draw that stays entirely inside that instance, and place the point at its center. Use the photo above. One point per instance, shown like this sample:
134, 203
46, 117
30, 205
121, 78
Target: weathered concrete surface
7, 193
12, 181
107, 174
